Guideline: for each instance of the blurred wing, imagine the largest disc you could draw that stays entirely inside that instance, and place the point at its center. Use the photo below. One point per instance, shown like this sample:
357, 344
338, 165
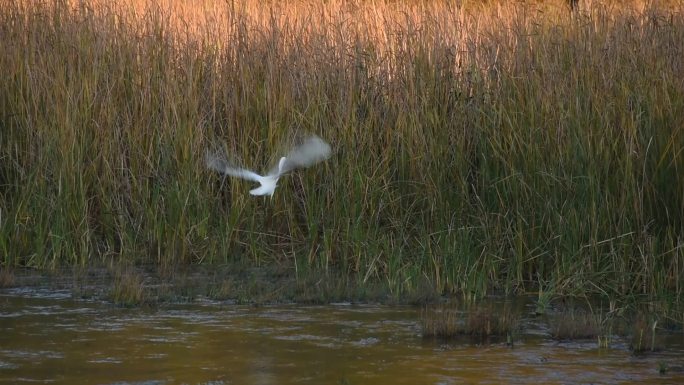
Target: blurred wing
221, 165
310, 152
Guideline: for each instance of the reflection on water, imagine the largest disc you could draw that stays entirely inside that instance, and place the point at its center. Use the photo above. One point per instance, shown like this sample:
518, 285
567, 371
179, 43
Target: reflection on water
46, 337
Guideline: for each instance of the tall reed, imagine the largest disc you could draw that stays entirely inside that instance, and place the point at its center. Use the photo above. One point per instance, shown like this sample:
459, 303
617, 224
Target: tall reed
482, 146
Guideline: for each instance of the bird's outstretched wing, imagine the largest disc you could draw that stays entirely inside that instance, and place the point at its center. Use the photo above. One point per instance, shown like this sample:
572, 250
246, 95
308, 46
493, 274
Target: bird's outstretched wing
221, 165
311, 151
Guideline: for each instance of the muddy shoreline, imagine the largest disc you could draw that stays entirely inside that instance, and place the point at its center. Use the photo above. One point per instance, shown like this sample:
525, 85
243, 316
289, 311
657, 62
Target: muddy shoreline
232, 284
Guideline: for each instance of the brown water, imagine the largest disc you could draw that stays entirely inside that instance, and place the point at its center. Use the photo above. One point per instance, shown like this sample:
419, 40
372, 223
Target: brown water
48, 337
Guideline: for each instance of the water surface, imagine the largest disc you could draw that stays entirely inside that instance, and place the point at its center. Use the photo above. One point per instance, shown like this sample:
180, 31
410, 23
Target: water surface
48, 337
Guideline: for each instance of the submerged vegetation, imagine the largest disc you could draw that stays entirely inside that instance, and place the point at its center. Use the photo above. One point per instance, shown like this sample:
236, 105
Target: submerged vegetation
128, 288
6, 277
576, 324
478, 145
482, 321
644, 334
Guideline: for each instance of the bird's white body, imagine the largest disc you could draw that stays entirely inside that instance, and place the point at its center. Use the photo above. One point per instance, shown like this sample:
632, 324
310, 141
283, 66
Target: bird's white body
268, 182
268, 185
311, 151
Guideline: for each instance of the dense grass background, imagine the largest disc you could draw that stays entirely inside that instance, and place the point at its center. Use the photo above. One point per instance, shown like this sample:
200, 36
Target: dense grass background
503, 145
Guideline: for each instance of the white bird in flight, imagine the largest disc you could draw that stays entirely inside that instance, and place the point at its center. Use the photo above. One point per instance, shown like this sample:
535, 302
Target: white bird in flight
312, 150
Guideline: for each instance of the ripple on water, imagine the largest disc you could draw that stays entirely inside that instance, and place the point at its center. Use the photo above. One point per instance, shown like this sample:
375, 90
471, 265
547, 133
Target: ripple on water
285, 315
32, 354
320, 341
156, 356
7, 365
178, 338
106, 326
36, 292
366, 341
106, 360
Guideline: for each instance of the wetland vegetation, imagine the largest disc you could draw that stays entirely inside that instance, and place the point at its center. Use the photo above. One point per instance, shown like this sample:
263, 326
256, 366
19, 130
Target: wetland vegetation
479, 147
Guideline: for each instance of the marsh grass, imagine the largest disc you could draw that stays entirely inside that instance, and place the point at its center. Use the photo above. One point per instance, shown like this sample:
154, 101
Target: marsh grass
128, 288
577, 324
6, 277
643, 334
478, 146
482, 322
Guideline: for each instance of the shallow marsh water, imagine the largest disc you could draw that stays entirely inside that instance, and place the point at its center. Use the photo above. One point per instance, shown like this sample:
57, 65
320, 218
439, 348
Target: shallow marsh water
46, 336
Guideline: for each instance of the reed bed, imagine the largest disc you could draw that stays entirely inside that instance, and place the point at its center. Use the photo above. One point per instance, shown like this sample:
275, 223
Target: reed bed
483, 322
479, 145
